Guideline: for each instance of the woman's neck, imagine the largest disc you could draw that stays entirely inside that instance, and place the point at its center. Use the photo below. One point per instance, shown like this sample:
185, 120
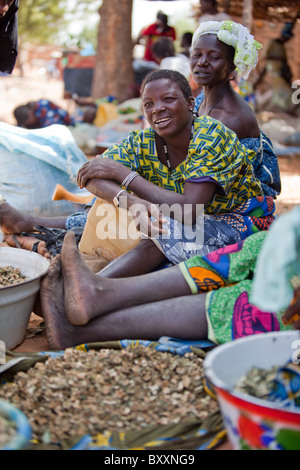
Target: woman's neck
181, 141
173, 150
213, 96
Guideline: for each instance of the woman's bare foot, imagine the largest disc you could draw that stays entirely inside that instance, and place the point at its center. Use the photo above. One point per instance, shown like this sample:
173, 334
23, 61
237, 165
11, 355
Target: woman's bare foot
27, 243
14, 221
59, 332
85, 291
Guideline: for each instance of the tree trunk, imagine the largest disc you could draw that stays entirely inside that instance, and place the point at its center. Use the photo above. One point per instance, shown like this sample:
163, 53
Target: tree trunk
113, 70
247, 17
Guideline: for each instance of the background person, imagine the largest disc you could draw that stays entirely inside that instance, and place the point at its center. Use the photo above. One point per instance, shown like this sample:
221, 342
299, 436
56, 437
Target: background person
274, 85
186, 42
164, 52
155, 30
41, 113
8, 35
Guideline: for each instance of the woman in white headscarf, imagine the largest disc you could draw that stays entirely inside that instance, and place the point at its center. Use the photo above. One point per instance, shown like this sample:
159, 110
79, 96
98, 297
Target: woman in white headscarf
220, 49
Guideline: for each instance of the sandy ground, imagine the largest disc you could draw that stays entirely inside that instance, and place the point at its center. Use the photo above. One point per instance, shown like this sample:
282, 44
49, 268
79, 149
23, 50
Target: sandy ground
15, 90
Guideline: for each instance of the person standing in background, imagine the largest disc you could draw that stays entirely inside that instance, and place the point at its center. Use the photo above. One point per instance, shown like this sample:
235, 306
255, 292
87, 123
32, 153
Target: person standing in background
8, 35
186, 42
154, 31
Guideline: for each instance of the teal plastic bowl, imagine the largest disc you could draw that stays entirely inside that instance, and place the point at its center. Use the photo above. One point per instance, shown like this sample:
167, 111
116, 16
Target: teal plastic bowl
23, 429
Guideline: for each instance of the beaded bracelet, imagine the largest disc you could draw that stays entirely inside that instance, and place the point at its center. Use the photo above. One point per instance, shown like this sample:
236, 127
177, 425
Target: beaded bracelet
128, 179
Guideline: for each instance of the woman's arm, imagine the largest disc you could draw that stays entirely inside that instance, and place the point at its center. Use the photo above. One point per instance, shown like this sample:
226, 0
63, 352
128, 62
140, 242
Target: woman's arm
103, 177
147, 216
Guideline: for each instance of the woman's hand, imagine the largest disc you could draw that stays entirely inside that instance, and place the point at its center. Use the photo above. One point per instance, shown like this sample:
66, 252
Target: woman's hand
102, 168
292, 314
148, 218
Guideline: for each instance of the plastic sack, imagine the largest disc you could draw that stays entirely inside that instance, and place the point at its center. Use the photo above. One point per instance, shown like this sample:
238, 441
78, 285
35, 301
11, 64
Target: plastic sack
32, 162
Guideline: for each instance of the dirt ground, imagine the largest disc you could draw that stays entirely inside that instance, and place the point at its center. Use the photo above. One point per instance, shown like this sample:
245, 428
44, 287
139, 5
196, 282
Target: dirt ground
16, 90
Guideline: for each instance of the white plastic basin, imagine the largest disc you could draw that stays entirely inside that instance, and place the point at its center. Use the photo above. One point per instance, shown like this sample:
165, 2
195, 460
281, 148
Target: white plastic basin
17, 301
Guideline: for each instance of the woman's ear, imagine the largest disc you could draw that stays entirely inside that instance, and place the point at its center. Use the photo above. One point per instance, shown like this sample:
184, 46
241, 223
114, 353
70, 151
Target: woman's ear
232, 70
191, 101
233, 75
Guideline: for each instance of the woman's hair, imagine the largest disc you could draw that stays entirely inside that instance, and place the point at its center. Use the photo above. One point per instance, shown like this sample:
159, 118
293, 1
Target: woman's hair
162, 17
231, 53
173, 76
163, 47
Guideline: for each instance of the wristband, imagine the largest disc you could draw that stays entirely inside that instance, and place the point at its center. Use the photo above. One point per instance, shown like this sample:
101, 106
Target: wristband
129, 178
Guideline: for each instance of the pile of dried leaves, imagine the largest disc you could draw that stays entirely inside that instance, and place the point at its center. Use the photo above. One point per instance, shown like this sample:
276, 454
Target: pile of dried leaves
117, 390
10, 275
257, 382
7, 431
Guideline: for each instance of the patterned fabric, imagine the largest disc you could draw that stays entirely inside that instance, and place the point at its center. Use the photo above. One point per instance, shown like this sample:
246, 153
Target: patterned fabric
265, 163
286, 386
214, 152
226, 274
182, 242
49, 113
254, 215
235, 35
77, 220
210, 233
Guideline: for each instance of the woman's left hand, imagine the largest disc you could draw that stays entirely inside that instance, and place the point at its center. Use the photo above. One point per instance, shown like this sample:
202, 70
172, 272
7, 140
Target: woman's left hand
102, 168
148, 218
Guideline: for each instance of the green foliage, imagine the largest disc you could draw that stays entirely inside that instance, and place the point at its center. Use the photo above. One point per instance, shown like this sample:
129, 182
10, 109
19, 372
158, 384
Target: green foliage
43, 21
39, 21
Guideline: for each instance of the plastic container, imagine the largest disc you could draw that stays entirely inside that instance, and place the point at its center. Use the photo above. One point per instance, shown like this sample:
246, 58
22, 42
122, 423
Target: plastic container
254, 423
20, 440
17, 301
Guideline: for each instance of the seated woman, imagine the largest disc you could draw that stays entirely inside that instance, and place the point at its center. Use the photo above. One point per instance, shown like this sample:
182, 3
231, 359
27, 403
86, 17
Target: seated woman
226, 105
178, 161
191, 163
219, 48
204, 297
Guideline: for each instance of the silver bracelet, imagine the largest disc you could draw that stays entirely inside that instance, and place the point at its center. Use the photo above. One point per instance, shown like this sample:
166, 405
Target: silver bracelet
116, 200
129, 178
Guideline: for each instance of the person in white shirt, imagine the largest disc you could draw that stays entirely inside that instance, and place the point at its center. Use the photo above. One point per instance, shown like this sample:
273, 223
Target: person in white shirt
164, 52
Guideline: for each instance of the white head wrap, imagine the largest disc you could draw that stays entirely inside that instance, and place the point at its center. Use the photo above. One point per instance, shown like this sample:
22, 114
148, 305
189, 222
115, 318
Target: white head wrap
235, 35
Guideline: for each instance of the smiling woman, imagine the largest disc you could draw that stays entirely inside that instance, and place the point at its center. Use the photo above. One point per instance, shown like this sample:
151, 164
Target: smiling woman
221, 50
165, 106
182, 162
